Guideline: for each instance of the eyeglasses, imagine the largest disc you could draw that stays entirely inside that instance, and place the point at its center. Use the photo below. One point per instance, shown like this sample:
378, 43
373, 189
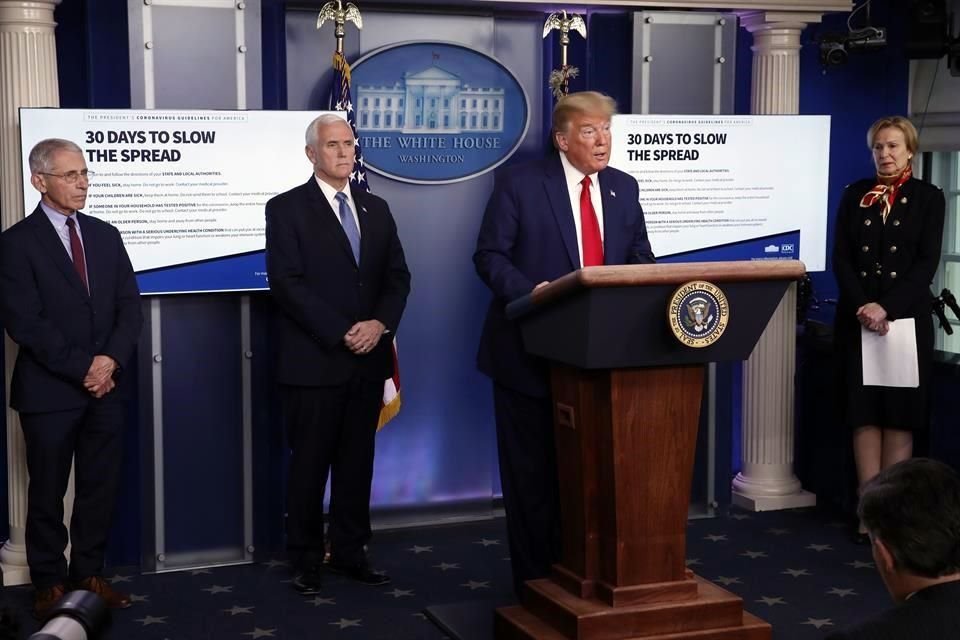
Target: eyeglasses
71, 177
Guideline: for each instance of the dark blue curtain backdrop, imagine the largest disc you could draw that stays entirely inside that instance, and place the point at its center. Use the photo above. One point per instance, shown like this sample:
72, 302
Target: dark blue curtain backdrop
93, 60
274, 55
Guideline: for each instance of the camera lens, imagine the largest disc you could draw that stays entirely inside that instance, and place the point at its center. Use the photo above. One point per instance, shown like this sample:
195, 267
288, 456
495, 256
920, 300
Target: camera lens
837, 55
80, 615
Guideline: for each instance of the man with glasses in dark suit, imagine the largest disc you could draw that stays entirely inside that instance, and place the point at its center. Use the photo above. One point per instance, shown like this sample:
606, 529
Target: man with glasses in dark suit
69, 299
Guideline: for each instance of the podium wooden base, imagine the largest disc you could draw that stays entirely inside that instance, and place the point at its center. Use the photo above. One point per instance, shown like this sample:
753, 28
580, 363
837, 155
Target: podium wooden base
626, 407
550, 612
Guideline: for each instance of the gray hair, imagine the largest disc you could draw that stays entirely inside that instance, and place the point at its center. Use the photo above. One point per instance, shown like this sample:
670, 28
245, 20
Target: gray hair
321, 121
42, 153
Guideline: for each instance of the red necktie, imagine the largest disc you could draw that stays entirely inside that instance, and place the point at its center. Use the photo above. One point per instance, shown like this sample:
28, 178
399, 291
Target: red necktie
76, 248
589, 228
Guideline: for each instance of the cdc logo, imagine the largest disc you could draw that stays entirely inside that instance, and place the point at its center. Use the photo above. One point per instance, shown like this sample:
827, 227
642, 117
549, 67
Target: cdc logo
434, 112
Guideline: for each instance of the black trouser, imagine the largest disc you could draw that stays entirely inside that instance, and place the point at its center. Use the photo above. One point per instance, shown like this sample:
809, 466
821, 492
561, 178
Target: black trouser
330, 430
92, 438
528, 474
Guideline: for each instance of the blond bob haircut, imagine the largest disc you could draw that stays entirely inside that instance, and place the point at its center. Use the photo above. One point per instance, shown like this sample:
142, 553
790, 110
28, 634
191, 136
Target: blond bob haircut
579, 103
897, 122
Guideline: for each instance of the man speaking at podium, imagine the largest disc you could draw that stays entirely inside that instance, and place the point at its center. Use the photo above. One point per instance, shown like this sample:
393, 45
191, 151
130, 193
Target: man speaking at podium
543, 220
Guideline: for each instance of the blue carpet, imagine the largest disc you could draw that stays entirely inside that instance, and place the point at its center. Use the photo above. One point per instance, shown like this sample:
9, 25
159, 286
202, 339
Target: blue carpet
794, 569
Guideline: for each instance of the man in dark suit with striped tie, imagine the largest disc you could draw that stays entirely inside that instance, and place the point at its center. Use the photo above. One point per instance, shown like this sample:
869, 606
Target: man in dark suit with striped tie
338, 275
69, 299
912, 514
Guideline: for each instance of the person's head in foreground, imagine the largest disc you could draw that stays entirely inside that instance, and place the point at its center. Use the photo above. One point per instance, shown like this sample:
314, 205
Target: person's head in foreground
911, 511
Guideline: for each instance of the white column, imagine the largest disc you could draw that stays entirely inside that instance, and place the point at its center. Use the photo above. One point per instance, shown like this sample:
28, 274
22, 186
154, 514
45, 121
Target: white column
766, 480
28, 78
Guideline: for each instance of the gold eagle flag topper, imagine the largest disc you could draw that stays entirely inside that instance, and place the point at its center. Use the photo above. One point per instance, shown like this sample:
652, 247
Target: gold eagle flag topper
560, 78
340, 14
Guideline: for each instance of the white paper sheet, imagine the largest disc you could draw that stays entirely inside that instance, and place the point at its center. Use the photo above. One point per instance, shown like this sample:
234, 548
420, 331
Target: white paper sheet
891, 360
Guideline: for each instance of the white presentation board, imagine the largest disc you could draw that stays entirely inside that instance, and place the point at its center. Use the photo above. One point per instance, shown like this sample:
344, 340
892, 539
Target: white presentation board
729, 187
186, 188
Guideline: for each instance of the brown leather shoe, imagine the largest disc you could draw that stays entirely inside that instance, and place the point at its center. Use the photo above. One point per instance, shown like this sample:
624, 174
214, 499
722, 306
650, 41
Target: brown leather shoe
44, 599
114, 599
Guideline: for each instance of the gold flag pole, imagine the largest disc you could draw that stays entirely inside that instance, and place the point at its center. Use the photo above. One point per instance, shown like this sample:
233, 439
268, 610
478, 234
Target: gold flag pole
560, 78
340, 14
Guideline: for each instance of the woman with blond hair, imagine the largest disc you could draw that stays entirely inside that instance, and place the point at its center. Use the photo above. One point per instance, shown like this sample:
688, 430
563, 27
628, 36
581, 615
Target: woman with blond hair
887, 248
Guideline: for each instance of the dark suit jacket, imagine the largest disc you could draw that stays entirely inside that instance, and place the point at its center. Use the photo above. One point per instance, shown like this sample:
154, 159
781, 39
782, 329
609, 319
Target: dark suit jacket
931, 614
59, 326
322, 292
892, 264
528, 236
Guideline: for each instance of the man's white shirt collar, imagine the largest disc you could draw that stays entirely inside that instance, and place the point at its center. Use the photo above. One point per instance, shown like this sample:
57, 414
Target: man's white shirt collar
331, 195
574, 176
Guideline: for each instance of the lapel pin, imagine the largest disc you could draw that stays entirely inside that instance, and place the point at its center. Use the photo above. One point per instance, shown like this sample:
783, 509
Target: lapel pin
613, 194
903, 200
363, 208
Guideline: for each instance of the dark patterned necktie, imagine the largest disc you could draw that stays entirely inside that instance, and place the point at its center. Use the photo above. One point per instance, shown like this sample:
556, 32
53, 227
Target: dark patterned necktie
76, 248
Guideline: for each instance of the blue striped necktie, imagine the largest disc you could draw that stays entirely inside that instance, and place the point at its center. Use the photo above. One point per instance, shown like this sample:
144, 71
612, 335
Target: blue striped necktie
349, 225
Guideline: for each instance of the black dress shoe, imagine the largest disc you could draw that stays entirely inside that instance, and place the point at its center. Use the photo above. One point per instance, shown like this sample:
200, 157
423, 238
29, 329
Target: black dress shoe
307, 582
360, 572
44, 600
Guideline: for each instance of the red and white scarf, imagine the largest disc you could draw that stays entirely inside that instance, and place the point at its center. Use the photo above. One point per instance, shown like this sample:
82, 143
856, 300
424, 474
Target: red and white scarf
885, 193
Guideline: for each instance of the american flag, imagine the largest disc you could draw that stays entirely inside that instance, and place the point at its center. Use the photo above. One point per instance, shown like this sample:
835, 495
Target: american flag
340, 100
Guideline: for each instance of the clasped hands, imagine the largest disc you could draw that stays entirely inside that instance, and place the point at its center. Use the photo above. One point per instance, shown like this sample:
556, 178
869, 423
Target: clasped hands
874, 317
364, 336
99, 379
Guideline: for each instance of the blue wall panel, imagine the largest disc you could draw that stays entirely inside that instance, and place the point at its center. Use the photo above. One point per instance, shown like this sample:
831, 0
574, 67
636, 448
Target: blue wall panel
269, 451
125, 534
202, 421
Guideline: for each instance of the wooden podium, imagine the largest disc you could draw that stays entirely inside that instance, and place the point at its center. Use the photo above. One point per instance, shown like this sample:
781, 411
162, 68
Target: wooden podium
626, 396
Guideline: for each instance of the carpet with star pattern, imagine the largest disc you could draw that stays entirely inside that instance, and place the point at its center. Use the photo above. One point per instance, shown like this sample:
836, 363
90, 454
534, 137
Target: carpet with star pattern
794, 569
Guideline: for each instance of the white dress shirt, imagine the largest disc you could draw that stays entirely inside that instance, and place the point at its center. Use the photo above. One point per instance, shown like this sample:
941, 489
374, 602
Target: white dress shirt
573, 178
331, 195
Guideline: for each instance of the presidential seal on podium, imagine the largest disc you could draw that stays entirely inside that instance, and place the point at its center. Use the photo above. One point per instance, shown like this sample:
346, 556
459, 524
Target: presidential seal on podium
698, 313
